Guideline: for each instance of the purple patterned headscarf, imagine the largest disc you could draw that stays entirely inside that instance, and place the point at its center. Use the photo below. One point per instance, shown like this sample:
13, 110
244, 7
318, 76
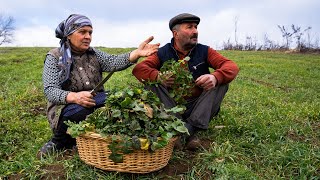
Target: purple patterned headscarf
64, 29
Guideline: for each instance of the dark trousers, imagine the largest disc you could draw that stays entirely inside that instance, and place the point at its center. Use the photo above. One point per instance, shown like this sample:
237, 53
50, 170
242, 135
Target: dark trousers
60, 136
74, 113
199, 110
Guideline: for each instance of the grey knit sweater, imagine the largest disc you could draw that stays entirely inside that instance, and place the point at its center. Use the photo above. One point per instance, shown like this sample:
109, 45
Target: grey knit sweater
85, 74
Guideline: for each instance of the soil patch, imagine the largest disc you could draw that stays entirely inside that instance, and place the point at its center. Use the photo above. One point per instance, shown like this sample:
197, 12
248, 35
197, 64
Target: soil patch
38, 110
206, 143
174, 169
177, 167
53, 171
294, 136
15, 177
267, 84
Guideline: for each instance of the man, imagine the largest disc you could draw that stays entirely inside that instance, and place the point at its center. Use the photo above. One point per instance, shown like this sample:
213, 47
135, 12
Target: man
210, 88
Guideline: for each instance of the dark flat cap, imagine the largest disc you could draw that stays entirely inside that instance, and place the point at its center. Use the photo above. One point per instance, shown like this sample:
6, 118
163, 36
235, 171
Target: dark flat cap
184, 17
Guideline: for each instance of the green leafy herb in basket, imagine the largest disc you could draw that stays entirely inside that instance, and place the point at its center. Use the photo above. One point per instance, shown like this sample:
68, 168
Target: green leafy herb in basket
134, 118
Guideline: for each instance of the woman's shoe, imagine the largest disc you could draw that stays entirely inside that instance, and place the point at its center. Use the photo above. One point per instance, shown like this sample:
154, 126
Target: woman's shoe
47, 149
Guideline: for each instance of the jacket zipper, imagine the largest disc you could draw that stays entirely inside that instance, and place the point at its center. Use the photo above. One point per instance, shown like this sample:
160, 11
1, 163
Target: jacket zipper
195, 67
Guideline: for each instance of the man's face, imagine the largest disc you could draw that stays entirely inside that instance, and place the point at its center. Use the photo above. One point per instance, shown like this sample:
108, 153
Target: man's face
187, 35
80, 40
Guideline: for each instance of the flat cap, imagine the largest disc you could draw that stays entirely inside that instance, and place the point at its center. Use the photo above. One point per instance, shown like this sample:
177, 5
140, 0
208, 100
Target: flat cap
184, 17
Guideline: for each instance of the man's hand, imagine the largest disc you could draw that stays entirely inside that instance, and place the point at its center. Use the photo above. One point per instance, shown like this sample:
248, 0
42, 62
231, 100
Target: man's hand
144, 49
206, 81
83, 98
166, 78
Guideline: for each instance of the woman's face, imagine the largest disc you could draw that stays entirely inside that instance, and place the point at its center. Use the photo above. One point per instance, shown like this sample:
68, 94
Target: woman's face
80, 40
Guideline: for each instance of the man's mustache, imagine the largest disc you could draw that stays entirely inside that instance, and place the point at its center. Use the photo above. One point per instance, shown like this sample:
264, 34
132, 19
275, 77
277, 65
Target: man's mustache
194, 36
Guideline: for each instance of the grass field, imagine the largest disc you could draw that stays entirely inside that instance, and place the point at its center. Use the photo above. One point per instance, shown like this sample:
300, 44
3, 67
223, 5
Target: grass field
268, 127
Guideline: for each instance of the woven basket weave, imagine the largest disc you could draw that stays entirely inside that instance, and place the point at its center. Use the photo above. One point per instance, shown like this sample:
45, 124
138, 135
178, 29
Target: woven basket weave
93, 150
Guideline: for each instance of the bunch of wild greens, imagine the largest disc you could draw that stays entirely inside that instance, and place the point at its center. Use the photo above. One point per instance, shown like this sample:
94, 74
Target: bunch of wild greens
134, 118
183, 80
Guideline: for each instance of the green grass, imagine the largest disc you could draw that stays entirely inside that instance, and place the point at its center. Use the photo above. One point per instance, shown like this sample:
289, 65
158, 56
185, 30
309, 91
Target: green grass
271, 115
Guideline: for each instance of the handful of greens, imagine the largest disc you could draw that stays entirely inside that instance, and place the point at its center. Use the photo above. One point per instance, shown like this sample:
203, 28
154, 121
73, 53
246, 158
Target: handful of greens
183, 80
134, 118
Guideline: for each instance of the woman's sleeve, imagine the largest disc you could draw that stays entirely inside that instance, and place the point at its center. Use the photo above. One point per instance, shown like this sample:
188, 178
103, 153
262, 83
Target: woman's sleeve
52, 83
108, 61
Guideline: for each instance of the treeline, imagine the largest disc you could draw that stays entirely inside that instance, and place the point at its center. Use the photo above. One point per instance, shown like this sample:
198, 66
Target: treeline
296, 39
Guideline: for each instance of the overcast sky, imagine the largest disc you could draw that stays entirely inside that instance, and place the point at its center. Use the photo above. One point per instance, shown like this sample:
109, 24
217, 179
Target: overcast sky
126, 23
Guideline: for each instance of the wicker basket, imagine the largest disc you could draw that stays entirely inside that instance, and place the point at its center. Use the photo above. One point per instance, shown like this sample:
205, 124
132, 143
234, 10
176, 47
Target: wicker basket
93, 150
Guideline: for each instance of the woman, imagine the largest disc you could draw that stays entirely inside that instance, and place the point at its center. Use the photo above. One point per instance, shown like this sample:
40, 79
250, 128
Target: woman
72, 71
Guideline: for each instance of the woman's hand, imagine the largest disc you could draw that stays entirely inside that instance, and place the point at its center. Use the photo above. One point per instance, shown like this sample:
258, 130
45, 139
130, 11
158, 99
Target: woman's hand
206, 81
144, 49
83, 98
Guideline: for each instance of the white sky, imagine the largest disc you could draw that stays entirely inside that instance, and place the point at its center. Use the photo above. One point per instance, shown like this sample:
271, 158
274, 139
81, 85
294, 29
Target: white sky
126, 23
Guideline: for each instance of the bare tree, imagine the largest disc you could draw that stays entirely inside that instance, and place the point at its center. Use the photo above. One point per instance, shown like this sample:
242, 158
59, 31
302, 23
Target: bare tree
268, 43
287, 35
251, 44
309, 40
227, 45
236, 29
6, 29
316, 44
298, 35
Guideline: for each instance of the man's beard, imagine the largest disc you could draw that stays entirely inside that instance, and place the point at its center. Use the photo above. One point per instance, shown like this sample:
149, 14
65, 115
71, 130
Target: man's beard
190, 45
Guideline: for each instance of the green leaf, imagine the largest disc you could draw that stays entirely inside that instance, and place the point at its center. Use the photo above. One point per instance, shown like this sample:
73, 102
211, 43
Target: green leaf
164, 115
182, 129
130, 92
154, 146
166, 135
116, 113
176, 109
76, 129
126, 115
117, 158
137, 91
119, 94
126, 102
137, 107
144, 95
135, 126
114, 138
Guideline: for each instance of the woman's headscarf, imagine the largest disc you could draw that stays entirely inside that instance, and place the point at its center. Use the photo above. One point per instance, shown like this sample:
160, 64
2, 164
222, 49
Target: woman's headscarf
64, 29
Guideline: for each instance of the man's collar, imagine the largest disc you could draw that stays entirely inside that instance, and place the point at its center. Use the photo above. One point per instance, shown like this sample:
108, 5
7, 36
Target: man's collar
184, 53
